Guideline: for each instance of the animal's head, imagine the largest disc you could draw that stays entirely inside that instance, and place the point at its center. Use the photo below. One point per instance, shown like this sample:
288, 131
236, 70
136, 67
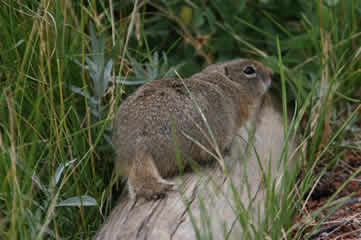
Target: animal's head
255, 76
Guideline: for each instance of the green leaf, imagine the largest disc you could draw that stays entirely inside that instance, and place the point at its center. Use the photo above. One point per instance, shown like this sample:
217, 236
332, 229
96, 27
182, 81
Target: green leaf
198, 19
78, 202
211, 19
60, 170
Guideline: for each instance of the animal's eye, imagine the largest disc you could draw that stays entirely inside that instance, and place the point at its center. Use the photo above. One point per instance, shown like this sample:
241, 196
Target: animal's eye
249, 71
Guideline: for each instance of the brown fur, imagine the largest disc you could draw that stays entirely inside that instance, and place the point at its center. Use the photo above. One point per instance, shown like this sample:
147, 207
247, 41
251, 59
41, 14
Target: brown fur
160, 116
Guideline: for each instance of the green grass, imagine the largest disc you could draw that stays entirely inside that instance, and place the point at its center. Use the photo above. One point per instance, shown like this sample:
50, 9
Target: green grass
55, 114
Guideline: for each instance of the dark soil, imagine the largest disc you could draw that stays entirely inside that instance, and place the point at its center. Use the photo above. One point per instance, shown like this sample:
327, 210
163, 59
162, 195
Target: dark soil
341, 220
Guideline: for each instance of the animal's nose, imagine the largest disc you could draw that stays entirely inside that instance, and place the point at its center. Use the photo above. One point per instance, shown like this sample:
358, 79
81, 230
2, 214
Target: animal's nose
269, 70
267, 80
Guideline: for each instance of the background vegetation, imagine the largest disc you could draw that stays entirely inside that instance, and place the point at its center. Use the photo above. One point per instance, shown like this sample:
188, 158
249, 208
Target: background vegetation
66, 65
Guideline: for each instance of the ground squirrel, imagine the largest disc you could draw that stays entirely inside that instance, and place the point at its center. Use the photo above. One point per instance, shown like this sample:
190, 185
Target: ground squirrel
164, 117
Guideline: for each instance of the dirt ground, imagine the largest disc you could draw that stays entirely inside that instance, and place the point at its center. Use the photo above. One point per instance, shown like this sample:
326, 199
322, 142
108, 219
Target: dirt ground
341, 220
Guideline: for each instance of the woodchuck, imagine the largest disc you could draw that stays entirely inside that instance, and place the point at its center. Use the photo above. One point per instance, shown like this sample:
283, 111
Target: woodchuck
168, 123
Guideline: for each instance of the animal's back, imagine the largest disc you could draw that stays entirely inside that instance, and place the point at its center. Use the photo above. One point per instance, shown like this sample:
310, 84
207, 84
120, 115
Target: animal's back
162, 115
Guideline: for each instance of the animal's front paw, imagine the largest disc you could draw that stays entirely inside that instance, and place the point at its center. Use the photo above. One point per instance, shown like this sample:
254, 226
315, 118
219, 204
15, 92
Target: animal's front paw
153, 189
